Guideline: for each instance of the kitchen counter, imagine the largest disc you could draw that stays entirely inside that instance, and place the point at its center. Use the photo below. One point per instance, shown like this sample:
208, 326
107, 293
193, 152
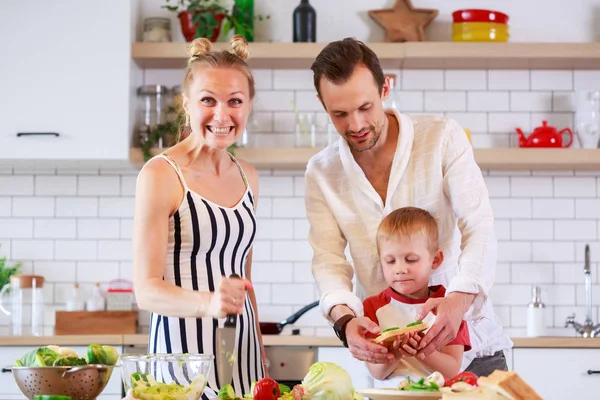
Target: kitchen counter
271, 340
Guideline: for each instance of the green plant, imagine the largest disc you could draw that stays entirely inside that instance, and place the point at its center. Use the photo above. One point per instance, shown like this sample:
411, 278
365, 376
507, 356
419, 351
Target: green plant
7, 271
243, 19
204, 14
166, 131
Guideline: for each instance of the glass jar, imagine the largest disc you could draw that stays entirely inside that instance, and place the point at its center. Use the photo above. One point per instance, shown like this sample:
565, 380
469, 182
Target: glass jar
27, 304
152, 108
157, 30
587, 118
305, 130
392, 100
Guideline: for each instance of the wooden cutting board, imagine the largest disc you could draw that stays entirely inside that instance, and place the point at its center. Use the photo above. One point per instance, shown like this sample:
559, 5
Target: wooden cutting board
395, 394
96, 322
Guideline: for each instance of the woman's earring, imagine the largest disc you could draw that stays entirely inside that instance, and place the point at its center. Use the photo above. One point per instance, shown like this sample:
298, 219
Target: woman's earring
187, 119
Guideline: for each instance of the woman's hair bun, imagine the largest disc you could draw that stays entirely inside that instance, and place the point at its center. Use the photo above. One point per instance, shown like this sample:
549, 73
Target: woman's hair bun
198, 47
239, 46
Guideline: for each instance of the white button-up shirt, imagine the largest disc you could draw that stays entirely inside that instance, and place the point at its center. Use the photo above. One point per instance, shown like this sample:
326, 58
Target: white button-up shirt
433, 168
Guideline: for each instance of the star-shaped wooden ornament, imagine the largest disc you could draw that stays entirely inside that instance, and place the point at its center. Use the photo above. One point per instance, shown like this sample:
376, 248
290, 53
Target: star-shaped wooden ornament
404, 23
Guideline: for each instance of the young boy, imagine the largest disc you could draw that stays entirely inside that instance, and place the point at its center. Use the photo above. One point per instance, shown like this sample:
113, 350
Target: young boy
407, 242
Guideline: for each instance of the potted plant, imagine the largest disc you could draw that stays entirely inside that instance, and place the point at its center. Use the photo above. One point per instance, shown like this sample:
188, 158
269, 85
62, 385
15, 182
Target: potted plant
198, 18
242, 20
7, 271
204, 18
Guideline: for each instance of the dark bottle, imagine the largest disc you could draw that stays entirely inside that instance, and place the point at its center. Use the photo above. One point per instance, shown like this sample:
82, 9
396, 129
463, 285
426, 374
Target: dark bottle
305, 23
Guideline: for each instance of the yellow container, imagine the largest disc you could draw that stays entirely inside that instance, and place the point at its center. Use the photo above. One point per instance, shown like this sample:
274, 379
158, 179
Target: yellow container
479, 32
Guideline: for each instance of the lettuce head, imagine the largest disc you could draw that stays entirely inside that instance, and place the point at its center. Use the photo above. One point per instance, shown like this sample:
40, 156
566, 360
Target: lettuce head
328, 381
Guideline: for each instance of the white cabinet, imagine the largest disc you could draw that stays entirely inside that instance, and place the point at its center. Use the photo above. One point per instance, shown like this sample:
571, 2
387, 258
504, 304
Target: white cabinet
65, 69
357, 369
558, 374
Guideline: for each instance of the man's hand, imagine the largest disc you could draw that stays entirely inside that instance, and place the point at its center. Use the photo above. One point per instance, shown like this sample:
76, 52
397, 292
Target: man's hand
449, 312
363, 349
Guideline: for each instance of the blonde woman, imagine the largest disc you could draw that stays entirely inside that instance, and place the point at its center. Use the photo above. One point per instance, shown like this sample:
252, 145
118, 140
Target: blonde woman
195, 222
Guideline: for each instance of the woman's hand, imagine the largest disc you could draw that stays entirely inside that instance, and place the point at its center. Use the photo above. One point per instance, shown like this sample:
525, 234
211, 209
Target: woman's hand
229, 297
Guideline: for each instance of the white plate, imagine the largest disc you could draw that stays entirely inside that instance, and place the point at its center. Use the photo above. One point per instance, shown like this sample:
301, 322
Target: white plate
395, 394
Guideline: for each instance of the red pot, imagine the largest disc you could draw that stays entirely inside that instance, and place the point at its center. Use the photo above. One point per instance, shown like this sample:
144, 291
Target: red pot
188, 28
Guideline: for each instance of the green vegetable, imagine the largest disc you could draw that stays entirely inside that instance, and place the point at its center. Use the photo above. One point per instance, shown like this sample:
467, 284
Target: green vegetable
40, 357
138, 379
420, 386
284, 388
326, 380
63, 351
146, 388
111, 355
227, 393
414, 323
69, 361
390, 329
96, 354
51, 397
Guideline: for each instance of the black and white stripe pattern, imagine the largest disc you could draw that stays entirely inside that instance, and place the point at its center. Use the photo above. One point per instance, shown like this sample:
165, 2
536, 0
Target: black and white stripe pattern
206, 242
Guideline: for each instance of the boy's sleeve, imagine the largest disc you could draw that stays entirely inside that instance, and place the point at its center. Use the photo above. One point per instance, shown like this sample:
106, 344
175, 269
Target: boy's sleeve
462, 336
370, 312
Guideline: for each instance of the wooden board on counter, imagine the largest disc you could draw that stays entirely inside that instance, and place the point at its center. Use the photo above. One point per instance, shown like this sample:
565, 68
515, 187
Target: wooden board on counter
552, 342
487, 158
141, 339
96, 322
61, 340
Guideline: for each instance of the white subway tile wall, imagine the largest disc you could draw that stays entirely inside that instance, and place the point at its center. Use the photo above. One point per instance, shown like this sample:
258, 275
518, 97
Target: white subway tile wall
75, 225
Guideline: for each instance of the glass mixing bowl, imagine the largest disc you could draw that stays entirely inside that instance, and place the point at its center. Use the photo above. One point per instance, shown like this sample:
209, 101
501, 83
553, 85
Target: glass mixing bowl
182, 376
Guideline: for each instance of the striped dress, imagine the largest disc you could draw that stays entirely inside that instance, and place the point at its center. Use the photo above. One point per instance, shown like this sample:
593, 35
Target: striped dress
208, 241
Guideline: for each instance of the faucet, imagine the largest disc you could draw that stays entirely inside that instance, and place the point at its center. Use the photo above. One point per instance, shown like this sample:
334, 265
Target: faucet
587, 329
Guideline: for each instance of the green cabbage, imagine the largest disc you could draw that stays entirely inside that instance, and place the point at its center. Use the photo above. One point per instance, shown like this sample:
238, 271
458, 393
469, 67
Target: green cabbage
63, 351
69, 362
111, 355
96, 354
40, 357
328, 381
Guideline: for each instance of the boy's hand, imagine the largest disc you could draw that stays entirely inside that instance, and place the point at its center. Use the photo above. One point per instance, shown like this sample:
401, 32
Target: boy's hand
408, 344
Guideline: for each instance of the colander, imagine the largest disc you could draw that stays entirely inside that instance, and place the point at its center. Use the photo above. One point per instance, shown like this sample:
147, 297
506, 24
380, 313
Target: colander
84, 382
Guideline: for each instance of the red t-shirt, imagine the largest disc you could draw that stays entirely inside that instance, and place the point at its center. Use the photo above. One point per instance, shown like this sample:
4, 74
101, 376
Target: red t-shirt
390, 308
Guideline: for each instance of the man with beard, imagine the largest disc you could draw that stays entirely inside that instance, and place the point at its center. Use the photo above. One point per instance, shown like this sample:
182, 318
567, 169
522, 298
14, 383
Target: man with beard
385, 160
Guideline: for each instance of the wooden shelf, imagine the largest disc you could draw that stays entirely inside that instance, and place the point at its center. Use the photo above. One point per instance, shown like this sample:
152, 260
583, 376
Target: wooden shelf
262, 55
495, 159
447, 55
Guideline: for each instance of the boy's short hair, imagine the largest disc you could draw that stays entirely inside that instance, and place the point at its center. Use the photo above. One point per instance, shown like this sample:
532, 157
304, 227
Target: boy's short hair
410, 222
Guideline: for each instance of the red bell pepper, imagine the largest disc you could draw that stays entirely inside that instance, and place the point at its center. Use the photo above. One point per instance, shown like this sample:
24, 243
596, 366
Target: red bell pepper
466, 376
266, 389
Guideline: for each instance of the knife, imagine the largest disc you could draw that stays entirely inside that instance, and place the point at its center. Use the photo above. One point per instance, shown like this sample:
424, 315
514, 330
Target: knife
225, 346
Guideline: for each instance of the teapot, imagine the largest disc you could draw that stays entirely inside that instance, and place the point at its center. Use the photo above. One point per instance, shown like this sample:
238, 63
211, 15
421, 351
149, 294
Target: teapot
544, 136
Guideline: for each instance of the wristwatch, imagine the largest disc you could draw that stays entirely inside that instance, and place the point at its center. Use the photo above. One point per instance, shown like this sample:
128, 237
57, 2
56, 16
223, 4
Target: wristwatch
339, 327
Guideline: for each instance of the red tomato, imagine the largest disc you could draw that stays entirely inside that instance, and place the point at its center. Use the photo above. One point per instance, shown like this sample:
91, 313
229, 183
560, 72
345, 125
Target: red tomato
466, 376
266, 389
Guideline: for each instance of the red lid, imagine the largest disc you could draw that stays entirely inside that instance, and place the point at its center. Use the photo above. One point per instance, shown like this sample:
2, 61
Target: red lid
120, 286
479, 15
